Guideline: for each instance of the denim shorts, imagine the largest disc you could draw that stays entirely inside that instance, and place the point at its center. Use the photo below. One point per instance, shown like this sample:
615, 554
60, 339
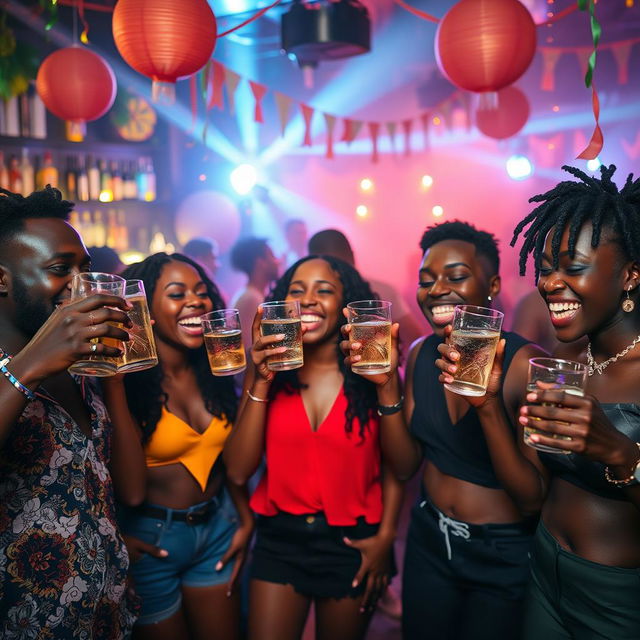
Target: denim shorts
194, 550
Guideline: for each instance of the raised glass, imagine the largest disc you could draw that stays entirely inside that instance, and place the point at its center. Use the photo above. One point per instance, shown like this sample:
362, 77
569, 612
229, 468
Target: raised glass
370, 322
223, 340
475, 336
283, 317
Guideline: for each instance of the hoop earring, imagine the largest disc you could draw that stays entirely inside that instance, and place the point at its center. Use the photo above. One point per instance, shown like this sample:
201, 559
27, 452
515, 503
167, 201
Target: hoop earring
628, 305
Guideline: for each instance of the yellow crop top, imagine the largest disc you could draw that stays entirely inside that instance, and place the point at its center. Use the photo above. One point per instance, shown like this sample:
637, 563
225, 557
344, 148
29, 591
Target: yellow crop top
174, 441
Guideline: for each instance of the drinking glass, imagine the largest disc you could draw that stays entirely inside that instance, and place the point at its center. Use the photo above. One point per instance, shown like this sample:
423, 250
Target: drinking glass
82, 286
564, 375
475, 336
140, 352
283, 317
370, 322
223, 340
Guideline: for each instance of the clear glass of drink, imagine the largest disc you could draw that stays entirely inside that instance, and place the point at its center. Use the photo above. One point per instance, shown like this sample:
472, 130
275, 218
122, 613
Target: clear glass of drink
370, 322
475, 336
140, 352
223, 340
82, 286
551, 373
283, 317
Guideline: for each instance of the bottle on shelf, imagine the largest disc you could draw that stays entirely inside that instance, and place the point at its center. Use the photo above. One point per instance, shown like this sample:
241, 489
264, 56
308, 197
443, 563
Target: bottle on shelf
11, 118
112, 229
123, 232
74, 221
38, 124
24, 105
82, 182
93, 173
88, 232
99, 230
117, 182
71, 179
15, 176
150, 193
4, 172
141, 178
106, 183
129, 187
28, 174
47, 173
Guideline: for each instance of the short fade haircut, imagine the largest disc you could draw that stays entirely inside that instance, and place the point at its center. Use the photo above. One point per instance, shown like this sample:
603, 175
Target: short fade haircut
245, 253
15, 209
197, 247
330, 242
485, 243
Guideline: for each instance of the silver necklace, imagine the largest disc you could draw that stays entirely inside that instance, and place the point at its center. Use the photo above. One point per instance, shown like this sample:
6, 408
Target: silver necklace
594, 367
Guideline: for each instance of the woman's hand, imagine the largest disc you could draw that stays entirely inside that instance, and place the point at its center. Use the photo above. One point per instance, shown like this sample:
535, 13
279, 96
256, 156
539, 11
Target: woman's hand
581, 425
66, 336
448, 365
374, 567
237, 550
137, 548
352, 353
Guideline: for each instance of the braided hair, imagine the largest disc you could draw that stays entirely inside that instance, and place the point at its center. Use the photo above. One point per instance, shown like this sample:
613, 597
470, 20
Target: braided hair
144, 388
360, 393
570, 204
15, 208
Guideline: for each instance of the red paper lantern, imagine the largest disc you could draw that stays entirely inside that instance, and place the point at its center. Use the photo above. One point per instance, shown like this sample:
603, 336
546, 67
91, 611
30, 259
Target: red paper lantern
76, 85
510, 115
164, 40
485, 45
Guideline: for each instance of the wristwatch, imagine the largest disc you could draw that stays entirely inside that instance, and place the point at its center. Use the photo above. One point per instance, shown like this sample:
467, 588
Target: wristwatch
632, 480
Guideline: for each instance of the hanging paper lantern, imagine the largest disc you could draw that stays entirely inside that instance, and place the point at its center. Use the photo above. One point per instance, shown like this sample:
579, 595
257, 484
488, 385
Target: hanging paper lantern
507, 118
485, 45
164, 40
76, 85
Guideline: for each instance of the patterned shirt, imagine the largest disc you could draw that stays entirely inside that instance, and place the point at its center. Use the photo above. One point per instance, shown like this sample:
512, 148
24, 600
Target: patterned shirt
63, 563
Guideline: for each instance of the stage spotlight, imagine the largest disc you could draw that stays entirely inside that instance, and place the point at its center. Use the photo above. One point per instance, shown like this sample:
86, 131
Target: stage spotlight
243, 178
519, 167
362, 211
593, 165
437, 211
366, 184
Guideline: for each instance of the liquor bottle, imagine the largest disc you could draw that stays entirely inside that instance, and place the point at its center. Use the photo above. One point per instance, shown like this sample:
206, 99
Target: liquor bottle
106, 183
71, 179
38, 117
150, 193
47, 174
123, 233
28, 174
141, 179
11, 117
15, 176
24, 105
117, 183
4, 173
99, 230
112, 229
130, 188
82, 182
74, 221
93, 174
88, 232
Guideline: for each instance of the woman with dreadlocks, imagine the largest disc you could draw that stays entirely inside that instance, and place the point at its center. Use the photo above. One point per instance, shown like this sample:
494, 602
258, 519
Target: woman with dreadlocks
585, 241
326, 514
185, 576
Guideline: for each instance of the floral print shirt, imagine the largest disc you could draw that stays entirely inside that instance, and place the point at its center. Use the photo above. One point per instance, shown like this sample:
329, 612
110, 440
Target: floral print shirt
63, 563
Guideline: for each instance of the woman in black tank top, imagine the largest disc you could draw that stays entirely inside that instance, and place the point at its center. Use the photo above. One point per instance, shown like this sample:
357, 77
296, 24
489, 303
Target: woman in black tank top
585, 241
466, 563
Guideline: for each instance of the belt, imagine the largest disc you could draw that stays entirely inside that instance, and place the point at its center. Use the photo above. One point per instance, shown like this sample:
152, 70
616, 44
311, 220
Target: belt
192, 516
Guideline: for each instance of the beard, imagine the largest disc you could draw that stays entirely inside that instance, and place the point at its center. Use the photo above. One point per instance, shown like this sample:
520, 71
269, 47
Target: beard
30, 313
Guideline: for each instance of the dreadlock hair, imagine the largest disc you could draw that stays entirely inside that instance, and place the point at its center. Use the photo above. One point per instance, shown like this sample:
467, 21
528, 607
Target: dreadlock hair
484, 242
361, 394
15, 208
144, 388
571, 204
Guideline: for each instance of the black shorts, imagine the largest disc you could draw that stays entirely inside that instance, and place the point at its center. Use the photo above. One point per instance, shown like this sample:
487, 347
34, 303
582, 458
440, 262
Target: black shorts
309, 554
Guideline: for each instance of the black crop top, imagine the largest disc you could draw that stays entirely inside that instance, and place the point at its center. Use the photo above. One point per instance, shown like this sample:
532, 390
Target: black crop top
587, 474
458, 450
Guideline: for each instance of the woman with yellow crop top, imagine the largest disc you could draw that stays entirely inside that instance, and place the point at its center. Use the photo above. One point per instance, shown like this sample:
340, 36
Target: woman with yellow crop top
190, 549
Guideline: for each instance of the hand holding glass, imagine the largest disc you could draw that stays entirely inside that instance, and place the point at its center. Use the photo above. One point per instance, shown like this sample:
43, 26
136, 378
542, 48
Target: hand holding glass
475, 336
563, 375
84, 285
223, 340
140, 352
370, 322
283, 317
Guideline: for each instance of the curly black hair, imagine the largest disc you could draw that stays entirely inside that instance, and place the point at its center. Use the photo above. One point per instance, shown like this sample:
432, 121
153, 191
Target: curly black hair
361, 394
485, 243
144, 388
571, 204
15, 208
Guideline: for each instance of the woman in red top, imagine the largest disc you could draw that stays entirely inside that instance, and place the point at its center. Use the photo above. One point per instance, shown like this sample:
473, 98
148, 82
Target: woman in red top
327, 514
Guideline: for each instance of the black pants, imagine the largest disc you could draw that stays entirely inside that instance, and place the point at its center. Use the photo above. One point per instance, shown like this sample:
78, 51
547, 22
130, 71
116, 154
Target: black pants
572, 598
463, 581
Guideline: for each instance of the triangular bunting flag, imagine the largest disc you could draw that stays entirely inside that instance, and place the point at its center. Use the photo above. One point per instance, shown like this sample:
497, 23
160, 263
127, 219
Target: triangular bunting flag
283, 104
231, 81
216, 78
374, 130
258, 91
331, 123
621, 53
550, 59
307, 114
406, 127
391, 131
632, 149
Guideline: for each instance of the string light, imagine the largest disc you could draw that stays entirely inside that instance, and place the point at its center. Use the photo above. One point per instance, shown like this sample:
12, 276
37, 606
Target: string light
436, 121
437, 211
426, 181
366, 184
362, 211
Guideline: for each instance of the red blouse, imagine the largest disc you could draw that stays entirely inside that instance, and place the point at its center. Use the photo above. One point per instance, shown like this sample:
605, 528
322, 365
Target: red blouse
327, 470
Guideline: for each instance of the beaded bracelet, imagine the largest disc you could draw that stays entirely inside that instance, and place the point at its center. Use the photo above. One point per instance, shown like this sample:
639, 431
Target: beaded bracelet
14, 381
625, 482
